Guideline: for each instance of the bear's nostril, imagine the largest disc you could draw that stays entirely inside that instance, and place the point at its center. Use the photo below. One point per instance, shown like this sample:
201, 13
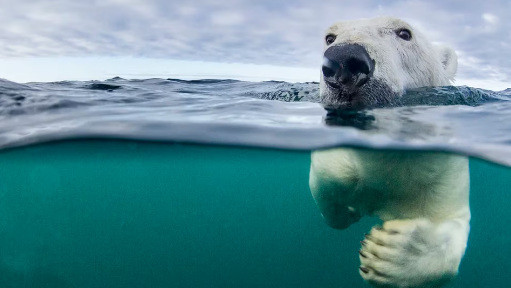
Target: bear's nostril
357, 66
327, 72
329, 67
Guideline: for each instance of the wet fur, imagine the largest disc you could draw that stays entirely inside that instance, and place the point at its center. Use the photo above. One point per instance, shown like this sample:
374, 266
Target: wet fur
409, 64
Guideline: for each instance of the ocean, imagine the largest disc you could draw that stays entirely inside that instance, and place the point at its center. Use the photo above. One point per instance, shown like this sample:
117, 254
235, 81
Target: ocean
204, 183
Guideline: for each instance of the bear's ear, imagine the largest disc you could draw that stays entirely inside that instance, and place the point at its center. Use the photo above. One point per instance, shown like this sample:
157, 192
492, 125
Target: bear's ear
449, 60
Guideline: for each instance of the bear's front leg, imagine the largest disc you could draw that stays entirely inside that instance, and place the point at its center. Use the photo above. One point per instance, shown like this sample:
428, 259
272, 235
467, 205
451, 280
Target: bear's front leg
413, 253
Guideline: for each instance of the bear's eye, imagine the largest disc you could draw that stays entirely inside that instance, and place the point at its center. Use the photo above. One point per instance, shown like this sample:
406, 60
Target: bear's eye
404, 34
330, 39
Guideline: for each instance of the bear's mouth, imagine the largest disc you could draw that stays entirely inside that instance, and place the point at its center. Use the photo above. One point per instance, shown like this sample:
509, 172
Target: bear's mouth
333, 85
349, 97
374, 93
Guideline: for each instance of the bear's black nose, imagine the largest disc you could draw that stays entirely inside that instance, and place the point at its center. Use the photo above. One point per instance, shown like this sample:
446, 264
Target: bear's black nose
347, 65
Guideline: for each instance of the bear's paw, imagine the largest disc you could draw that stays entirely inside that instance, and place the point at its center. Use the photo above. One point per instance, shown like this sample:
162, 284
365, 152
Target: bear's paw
411, 253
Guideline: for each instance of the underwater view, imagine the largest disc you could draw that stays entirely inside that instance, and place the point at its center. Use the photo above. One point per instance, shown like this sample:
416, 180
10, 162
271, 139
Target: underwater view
205, 183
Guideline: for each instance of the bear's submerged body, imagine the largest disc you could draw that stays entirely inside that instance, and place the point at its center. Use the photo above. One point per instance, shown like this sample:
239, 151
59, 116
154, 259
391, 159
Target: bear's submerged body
395, 184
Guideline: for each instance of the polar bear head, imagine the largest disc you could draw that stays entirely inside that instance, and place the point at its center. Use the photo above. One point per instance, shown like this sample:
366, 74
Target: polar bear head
373, 61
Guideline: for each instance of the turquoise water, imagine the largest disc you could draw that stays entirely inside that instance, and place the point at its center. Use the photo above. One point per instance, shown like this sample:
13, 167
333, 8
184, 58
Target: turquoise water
112, 213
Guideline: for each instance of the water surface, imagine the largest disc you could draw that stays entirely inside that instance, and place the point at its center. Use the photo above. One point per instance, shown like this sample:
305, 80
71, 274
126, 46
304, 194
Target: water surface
264, 114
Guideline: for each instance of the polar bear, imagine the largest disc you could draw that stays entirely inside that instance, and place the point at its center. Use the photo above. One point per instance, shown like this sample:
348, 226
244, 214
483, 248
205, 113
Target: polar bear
421, 197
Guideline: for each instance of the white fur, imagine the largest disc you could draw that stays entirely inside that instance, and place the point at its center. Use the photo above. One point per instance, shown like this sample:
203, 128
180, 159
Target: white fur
401, 64
422, 197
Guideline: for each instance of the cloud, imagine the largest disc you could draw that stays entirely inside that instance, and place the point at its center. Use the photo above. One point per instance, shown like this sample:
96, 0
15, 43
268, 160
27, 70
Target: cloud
490, 18
277, 32
227, 18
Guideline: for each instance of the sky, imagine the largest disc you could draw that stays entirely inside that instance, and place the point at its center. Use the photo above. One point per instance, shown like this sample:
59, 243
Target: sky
51, 40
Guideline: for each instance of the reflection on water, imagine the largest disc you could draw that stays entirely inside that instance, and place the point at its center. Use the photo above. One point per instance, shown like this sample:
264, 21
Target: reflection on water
397, 123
